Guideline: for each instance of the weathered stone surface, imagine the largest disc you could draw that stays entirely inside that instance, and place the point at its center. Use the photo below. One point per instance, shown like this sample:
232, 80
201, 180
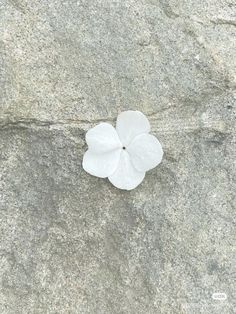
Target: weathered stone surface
72, 243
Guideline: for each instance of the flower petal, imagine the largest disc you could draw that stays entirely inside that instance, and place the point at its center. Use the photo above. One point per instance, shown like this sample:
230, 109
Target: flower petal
145, 152
101, 165
126, 177
130, 124
102, 138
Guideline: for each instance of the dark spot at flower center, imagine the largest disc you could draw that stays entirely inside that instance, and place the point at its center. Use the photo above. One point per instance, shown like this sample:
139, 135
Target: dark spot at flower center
123, 147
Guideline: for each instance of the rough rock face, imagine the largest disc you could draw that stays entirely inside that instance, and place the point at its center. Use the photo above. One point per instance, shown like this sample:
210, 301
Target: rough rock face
72, 243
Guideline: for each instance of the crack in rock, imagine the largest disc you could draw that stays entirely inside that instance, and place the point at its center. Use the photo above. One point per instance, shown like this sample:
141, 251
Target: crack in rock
163, 126
222, 21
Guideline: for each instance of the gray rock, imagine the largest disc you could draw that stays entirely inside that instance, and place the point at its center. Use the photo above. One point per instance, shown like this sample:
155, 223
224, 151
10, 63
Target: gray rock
72, 243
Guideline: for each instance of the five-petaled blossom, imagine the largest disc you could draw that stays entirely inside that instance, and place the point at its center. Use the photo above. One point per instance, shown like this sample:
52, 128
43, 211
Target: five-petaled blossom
123, 154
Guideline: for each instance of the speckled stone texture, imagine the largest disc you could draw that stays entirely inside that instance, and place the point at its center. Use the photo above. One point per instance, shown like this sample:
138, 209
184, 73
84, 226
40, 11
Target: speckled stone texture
72, 243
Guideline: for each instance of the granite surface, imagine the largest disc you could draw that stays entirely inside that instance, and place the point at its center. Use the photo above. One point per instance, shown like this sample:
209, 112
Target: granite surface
72, 243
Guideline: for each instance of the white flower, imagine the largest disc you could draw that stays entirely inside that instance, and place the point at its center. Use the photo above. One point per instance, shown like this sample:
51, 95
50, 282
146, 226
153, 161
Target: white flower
123, 154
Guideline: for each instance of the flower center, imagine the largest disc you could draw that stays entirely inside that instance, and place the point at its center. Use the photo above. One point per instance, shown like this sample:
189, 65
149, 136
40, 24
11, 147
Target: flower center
123, 147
